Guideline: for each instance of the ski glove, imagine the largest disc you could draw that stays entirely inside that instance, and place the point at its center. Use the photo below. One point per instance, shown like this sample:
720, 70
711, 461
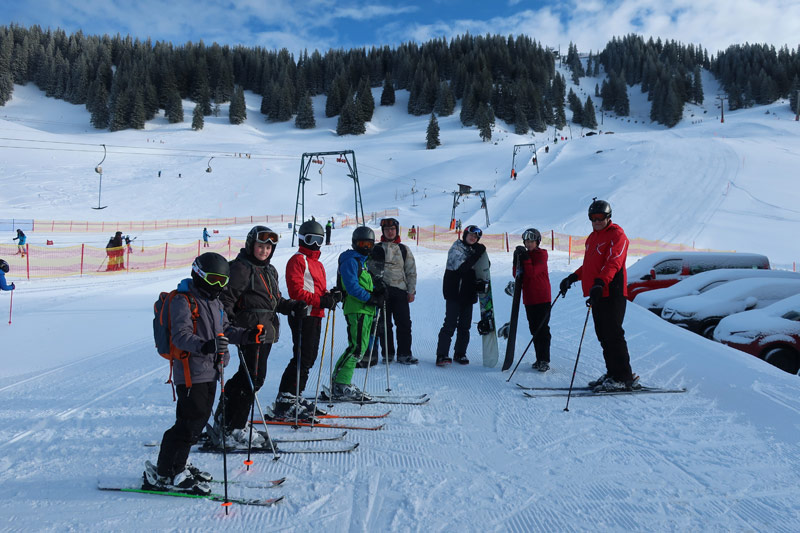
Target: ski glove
376, 299
378, 286
298, 308
510, 288
566, 283
215, 345
479, 250
255, 335
519, 253
337, 293
327, 301
596, 292
503, 331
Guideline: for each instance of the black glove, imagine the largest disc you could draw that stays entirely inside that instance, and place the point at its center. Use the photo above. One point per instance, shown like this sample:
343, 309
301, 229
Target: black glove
479, 250
255, 335
510, 288
298, 308
218, 345
337, 293
376, 299
480, 285
519, 253
596, 292
503, 331
13, 286
566, 283
327, 301
378, 286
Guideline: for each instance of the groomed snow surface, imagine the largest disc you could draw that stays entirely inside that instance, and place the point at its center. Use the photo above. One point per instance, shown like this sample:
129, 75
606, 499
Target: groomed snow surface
82, 388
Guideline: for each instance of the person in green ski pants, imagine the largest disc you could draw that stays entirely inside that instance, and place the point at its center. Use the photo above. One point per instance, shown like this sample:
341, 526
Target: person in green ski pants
360, 304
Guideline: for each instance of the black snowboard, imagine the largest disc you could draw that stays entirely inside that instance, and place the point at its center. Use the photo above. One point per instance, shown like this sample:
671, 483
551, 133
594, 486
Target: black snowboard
512, 324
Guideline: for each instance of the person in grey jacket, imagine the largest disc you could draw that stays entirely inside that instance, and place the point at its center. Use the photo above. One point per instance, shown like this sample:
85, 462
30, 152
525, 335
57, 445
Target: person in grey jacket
206, 339
392, 263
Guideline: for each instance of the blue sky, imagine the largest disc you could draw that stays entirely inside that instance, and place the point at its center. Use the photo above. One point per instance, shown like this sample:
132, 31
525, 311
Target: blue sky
325, 24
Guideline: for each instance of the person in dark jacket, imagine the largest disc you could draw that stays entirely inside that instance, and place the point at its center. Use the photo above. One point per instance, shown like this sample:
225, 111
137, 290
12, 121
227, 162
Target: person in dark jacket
605, 281
328, 228
115, 252
21, 244
535, 293
252, 297
208, 351
460, 290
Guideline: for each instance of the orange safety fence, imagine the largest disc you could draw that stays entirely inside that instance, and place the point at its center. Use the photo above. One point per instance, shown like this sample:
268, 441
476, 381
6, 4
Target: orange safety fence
83, 226
372, 217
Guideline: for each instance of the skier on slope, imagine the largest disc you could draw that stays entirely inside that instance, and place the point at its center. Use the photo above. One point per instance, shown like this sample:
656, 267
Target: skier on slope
535, 293
394, 263
605, 281
207, 350
21, 244
4, 268
460, 288
306, 281
362, 299
251, 298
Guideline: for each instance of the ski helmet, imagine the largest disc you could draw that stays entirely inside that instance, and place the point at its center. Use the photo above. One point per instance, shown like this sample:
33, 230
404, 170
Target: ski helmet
311, 234
210, 273
260, 234
4, 265
472, 228
390, 222
600, 207
532, 234
363, 240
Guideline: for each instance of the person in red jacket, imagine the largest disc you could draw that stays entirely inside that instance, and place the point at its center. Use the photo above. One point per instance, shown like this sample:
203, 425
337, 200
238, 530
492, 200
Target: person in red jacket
535, 294
605, 281
306, 281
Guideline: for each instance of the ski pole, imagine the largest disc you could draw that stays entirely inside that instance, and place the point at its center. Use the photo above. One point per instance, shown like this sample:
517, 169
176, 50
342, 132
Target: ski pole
275, 455
535, 332
574, 370
322, 364
386, 347
10, 307
221, 357
333, 332
370, 346
249, 461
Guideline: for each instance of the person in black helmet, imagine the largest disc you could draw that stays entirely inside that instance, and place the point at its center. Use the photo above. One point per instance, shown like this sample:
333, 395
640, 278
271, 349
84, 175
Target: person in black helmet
361, 301
460, 290
605, 281
535, 293
306, 281
252, 298
199, 336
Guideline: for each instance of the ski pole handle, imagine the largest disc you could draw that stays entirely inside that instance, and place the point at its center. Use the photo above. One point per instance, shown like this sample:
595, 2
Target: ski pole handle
260, 328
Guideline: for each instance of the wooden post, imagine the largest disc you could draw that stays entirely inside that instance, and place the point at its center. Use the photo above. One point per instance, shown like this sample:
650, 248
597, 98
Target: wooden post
569, 250
27, 260
552, 240
507, 248
82, 247
229, 247
166, 246
198, 247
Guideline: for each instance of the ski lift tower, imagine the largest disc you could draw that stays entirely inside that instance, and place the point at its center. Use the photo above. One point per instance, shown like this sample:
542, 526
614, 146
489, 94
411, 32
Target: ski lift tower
343, 156
466, 190
517, 149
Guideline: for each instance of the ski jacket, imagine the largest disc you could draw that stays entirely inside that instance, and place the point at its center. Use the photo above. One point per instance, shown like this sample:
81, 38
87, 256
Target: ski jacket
252, 296
205, 235
459, 279
305, 279
22, 238
535, 279
356, 280
604, 258
211, 321
395, 263
3, 284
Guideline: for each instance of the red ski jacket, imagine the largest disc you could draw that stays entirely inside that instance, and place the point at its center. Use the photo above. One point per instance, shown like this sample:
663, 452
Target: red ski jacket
604, 258
305, 279
535, 279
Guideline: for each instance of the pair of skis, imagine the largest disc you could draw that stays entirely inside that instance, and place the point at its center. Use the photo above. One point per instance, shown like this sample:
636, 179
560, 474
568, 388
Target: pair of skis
551, 392
268, 502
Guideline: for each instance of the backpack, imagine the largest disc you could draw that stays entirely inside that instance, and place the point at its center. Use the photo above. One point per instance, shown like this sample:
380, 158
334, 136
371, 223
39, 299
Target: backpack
163, 336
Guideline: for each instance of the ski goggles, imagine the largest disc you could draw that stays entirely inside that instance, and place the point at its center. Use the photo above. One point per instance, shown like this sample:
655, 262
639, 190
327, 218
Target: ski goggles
311, 239
220, 280
598, 217
267, 236
473, 229
529, 236
365, 244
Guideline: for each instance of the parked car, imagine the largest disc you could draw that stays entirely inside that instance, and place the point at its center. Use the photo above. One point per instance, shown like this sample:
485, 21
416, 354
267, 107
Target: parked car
663, 269
654, 300
701, 313
772, 333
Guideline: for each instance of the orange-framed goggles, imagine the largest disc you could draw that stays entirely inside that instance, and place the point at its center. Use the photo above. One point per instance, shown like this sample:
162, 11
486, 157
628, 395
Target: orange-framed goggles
267, 236
220, 280
365, 244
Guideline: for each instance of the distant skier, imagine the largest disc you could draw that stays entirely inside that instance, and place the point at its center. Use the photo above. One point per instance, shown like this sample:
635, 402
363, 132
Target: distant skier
115, 253
605, 281
306, 281
21, 244
207, 353
4, 268
128, 242
360, 304
460, 290
205, 238
535, 294
328, 228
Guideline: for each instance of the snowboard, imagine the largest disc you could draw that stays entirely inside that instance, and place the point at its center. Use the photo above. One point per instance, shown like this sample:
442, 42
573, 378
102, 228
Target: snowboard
486, 325
512, 328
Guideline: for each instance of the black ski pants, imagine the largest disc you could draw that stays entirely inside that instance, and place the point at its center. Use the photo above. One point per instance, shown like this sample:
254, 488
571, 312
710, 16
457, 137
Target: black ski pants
457, 317
307, 335
397, 308
540, 314
238, 394
191, 415
608, 315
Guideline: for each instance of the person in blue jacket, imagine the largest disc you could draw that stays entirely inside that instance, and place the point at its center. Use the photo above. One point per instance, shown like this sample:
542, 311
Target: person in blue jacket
3, 271
21, 244
205, 238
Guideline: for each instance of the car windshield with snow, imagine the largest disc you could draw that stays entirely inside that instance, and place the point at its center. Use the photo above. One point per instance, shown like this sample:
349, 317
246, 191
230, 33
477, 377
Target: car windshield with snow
701, 313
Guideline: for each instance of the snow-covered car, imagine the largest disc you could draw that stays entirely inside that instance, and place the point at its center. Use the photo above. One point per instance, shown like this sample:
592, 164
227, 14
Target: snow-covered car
701, 313
663, 269
772, 333
656, 299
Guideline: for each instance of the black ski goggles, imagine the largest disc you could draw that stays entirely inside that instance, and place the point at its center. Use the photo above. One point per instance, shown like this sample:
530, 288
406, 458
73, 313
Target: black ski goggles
473, 229
220, 280
267, 236
529, 236
311, 239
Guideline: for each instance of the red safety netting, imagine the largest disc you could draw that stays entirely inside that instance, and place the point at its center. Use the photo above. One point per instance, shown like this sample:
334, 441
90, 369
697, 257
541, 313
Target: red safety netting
83, 226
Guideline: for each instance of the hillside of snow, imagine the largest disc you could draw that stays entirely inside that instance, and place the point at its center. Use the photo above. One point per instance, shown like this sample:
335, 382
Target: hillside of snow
82, 389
